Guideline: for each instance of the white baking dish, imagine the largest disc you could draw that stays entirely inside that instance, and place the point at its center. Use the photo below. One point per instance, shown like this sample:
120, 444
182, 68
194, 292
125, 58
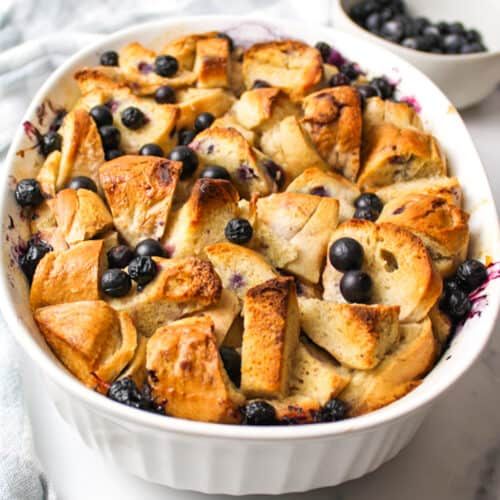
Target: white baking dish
236, 459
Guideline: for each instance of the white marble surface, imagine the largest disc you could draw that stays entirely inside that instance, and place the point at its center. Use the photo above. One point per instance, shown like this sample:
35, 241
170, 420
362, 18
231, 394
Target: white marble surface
454, 456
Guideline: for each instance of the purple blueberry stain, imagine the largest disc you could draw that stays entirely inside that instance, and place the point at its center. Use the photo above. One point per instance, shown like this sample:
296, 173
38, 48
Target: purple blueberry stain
112, 104
245, 173
479, 297
169, 250
319, 191
336, 58
145, 67
236, 281
413, 102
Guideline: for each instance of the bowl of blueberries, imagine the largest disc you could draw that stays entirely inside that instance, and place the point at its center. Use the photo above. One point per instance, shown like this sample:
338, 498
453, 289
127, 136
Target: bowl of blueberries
454, 42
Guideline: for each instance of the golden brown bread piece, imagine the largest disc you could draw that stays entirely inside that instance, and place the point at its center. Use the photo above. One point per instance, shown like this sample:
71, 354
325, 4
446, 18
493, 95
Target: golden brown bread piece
442, 227
184, 48
290, 65
81, 214
68, 275
44, 227
202, 219
180, 287
228, 120
332, 118
293, 230
328, 184
399, 114
81, 151
139, 191
136, 368
391, 154
400, 266
270, 337
397, 374
228, 148
90, 338
447, 187
239, 267
187, 375
441, 325
100, 78
357, 335
212, 62
47, 175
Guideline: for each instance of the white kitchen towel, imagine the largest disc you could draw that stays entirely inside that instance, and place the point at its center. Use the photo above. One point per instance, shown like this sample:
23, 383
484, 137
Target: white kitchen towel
36, 36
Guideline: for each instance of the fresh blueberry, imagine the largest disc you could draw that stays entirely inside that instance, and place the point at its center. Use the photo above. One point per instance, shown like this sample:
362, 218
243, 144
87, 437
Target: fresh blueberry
150, 247
373, 22
356, 286
432, 30
346, 254
28, 193
215, 172
238, 231
125, 391
33, 255
473, 48
456, 28
230, 41
456, 304
58, 120
420, 24
151, 150
51, 141
203, 121
260, 84
110, 137
366, 91
166, 66
443, 27
115, 283
82, 182
324, 49
369, 200
111, 154
452, 43
411, 43
232, 363
165, 95
101, 115
133, 118
142, 269
393, 30
120, 256
339, 79
187, 157
383, 86
349, 70
334, 410
109, 58
366, 214
186, 137
429, 42
471, 274
473, 36
259, 413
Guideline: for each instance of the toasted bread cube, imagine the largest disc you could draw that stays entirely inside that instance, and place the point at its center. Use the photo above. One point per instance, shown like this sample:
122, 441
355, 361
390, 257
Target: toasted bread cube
90, 338
139, 191
136, 368
441, 325
100, 78
212, 61
180, 287
47, 175
187, 375
399, 114
270, 337
400, 266
357, 335
332, 118
184, 48
328, 184
43, 226
315, 374
68, 275
397, 374
81, 214
239, 267
202, 219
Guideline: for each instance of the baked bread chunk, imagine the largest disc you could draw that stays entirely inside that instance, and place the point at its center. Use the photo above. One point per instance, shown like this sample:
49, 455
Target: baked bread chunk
212, 61
401, 269
180, 287
43, 226
81, 150
187, 375
399, 114
315, 374
139, 191
332, 118
47, 175
445, 187
357, 335
399, 373
81, 214
239, 267
270, 337
229, 121
228, 148
290, 65
90, 338
101, 78
441, 325
442, 227
293, 231
68, 275
202, 219
392, 154
328, 184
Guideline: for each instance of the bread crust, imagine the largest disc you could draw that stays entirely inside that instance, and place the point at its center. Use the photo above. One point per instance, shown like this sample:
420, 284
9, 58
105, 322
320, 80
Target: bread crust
212, 62
399, 114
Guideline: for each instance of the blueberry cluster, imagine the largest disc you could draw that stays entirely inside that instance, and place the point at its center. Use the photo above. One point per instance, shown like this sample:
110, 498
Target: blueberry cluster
455, 300
346, 256
125, 391
390, 20
115, 282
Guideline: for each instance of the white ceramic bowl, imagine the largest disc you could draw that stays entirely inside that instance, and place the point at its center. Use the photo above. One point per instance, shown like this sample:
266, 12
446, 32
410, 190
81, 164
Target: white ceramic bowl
465, 79
234, 459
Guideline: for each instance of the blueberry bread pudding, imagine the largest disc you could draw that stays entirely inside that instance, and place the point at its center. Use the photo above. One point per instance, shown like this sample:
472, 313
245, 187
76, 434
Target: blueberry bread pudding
251, 237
